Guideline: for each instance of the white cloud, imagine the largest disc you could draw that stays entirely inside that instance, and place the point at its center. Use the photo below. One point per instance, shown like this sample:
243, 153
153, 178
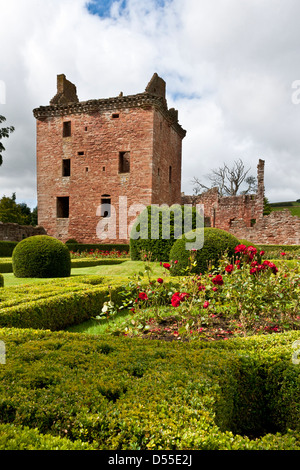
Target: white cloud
229, 68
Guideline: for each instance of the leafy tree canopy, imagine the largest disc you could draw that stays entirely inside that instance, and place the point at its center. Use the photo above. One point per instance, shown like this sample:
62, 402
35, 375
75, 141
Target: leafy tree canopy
4, 132
12, 212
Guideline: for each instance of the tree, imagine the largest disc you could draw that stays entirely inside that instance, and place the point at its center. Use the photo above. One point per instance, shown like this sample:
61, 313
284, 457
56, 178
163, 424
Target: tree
228, 180
267, 207
4, 132
12, 212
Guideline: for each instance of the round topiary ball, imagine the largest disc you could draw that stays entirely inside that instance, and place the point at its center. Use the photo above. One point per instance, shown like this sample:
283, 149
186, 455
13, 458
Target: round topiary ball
216, 243
41, 256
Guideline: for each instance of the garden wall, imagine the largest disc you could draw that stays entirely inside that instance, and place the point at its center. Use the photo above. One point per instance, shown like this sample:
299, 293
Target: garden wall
278, 228
16, 233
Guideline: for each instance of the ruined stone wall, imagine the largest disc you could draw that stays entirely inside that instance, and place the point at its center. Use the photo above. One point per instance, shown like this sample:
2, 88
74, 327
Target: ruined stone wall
16, 233
224, 212
278, 228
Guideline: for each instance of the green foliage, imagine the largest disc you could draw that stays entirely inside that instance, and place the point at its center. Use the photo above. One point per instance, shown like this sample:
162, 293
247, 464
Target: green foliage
7, 248
57, 304
82, 247
216, 243
1, 281
157, 228
112, 393
11, 212
41, 256
4, 132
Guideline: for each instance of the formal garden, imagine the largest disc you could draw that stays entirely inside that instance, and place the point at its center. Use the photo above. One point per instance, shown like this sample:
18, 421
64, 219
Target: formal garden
149, 346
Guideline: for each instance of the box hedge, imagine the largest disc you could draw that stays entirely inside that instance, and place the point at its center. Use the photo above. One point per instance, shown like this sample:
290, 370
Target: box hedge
215, 243
130, 394
7, 248
157, 228
57, 304
41, 256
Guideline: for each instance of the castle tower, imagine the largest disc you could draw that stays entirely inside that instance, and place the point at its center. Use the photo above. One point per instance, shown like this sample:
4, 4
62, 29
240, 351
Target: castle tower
98, 160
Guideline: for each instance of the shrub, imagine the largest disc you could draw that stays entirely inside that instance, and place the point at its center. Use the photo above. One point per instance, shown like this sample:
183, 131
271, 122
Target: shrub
155, 239
6, 248
1, 281
216, 243
114, 394
41, 256
57, 304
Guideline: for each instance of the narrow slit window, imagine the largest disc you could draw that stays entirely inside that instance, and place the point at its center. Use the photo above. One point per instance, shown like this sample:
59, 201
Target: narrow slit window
66, 167
67, 129
62, 207
105, 207
116, 116
80, 153
124, 162
170, 174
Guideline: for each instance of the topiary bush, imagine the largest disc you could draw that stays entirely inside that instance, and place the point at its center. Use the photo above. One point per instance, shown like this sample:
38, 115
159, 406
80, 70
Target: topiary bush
41, 256
216, 242
155, 238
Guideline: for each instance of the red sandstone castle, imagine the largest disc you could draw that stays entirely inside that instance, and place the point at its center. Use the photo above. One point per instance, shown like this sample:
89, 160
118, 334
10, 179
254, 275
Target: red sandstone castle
99, 162
94, 155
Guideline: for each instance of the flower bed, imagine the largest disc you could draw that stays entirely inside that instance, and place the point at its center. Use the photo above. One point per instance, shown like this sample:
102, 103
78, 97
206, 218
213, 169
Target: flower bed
247, 295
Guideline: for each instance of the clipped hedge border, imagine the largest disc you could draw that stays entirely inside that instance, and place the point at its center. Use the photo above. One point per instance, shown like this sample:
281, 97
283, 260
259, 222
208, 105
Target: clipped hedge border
7, 248
6, 263
80, 247
57, 305
134, 394
278, 247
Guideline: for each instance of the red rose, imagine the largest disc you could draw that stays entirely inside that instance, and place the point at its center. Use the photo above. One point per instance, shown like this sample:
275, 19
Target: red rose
160, 280
262, 253
206, 304
229, 268
166, 265
218, 280
175, 301
240, 249
175, 262
201, 287
143, 296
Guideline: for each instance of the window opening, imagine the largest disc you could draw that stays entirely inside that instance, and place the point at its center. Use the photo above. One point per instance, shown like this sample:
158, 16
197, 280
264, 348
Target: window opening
170, 174
62, 207
67, 129
115, 116
105, 206
80, 153
66, 167
124, 162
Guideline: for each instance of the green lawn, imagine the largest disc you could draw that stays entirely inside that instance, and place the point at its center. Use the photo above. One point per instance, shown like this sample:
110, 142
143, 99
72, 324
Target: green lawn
128, 268
294, 209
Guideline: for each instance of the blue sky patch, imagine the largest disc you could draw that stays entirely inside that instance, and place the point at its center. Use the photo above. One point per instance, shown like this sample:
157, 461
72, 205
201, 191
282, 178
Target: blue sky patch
102, 7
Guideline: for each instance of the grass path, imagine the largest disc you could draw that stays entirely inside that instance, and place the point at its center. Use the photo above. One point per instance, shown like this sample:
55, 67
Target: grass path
128, 268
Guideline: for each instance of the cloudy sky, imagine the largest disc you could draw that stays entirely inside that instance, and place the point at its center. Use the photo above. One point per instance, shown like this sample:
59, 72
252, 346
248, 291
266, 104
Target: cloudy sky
230, 68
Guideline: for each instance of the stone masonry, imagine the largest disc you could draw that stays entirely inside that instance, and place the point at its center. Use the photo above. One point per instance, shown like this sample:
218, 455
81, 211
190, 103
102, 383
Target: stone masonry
16, 233
98, 160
